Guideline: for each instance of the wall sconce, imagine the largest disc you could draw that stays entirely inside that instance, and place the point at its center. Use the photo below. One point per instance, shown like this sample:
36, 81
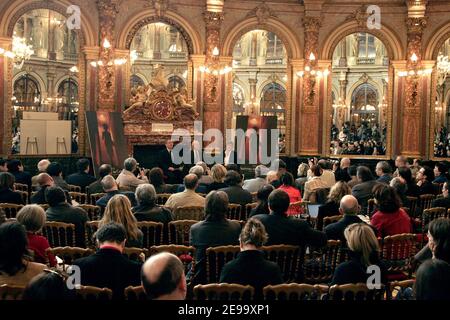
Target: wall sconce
311, 75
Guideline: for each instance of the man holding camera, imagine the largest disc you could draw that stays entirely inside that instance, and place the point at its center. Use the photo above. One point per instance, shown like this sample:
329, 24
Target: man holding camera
126, 180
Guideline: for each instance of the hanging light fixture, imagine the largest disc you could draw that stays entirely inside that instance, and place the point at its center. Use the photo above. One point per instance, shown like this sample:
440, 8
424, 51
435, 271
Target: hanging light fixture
20, 53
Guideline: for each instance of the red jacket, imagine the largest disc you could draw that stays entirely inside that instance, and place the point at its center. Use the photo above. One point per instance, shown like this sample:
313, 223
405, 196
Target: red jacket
38, 244
294, 196
389, 224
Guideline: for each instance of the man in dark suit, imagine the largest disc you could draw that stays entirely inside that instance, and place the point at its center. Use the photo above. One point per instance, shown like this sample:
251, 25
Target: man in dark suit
349, 208
108, 268
96, 186
363, 190
234, 190
444, 201
44, 181
61, 211
111, 189
172, 171
282, 229
341, 173
82, 178
15, 167
384, 172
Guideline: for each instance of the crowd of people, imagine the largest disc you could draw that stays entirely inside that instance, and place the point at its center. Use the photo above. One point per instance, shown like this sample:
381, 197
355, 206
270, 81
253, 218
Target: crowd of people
442, 143
340, 187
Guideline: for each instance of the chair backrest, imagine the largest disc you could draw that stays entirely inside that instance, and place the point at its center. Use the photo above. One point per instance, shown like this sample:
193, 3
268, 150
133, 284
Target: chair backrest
79, 197
413, 202
185, 253
437, 188
216, 258
74, 188
90, 228
370, 207
288, 258
248, 208
153, 232
297, 207
136, 254
92, 211
69, 254
20, 187
8, 292
92, 293
59, 234
95, 196
332, 219
11, 209
24, 196
425, 201
223, 292
355, 291
161, 198
398, 251
294, 291
135, 293
189, 213
179, 231
234, 211
320, 265
396, 288
431, 214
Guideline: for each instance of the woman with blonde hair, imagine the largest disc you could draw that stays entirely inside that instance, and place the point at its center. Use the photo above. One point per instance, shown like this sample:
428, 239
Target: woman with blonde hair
250, 267
302, 174
218, 173
118, 210
331, 207
364, 251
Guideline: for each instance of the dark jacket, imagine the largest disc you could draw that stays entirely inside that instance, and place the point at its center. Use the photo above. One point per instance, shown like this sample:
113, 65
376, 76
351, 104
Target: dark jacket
81, 179
426, 188
166, 188
165, 161
342, 175
103, 201
251, 268
95, 187
64, 212
385, 178
288, 230
259, 209
205, 234
330, 208
216, 186
201, 188
108, 268
335, 231
39, 196
412, 190
441, 202
144, 212
60, 182
363, 192
353, 271
10, 196
238, 195
22, 177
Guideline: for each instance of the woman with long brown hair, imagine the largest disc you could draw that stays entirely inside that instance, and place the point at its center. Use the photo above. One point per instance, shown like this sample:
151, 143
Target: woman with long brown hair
118, 210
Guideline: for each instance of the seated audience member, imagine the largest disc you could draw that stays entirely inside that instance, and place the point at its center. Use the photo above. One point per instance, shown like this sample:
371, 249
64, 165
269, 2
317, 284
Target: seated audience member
205, 179
233, 167
15, 167
341, 174
126, 180
314, 183
271, 177
163, 277
3, 165
218, 173
412, 190
263, 203
147, 209
32, 217
282, 169
44, 181
331, 207
7, 193
82, 178
440, 173
59, 210
433, 281
350, 209
234, 190
253, 185
250, 267
327, 174
188, 197
383, 171
400, 187
415, 167
283, 229
198, 171
302, 174
55, 170
390, 219
96, 186
156, 178
42, 168
438, 246
363, 191
50, 285
444, 201
215, 230
118, 210
401, 163
352, 172
364, 251
108, 268
425, 177
111, 189
15, 267
287, 181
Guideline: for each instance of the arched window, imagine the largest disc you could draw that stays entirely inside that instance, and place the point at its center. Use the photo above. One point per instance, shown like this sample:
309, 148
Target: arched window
365, 103
136, 81
26, 95
68, 91
273, 98
175, 82
238, 98
366, 45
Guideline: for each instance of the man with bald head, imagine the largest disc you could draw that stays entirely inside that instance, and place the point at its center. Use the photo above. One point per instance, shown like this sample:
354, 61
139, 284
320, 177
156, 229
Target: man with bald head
349, 208
188, 197
341, 173
163, 277
42, 167
44, 180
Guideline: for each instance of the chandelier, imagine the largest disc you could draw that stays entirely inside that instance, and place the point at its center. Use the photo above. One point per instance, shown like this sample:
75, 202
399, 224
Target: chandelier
20, 52
117, 62
443, 68
310, 70
414, 70
215, 67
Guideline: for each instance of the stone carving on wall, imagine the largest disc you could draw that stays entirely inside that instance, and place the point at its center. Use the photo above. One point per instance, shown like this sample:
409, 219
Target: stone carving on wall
360, 15
262, 13
311, 28
161, 6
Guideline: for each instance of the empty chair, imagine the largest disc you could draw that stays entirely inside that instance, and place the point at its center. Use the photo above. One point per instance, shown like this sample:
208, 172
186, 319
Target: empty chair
189, 213
294, 291
60, 234
397, 253
153, 232
320, 265
223, 292
11, 209
92, 211
179, 231
287, 257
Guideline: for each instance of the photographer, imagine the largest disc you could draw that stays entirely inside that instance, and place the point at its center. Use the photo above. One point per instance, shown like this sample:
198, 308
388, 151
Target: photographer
126, 180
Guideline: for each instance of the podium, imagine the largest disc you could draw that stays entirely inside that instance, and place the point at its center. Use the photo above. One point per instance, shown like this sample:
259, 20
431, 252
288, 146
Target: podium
43, 133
